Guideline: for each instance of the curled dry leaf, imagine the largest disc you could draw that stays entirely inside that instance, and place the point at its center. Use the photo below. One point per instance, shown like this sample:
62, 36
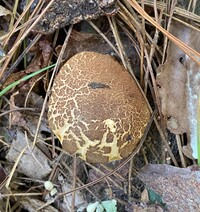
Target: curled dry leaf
178, 86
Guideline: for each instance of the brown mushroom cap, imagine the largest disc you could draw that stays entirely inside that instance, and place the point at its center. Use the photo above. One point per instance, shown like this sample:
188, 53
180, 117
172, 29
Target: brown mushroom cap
96, 109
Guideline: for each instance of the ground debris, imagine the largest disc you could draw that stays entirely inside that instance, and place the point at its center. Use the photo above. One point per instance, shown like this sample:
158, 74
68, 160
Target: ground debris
65, 12
79, 202
32, 204
32, 164
143, 208
178, 82
179, 187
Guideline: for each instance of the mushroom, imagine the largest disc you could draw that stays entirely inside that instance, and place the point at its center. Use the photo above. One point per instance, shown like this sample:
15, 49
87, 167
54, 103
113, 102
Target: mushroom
96, 109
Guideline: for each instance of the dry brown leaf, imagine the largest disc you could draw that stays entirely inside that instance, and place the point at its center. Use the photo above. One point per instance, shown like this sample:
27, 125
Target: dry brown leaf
16, 116
134, 207
83, 41
33, 163
32, 204
42, 56
179, 187
178, 86
41, 59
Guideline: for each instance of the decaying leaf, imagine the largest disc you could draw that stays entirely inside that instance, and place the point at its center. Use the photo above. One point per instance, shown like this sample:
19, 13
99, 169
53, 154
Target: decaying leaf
179, 187
134, 207
16, 118
41, 59
33, 164
84, 41
32, 204
178, 86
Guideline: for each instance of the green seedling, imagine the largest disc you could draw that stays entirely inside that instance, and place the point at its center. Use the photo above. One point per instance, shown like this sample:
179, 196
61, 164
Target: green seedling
12, 85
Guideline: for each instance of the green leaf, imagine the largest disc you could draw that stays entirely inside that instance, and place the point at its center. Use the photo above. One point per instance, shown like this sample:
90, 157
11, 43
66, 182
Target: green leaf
100, 208
110, 205
12, 85
92, 207
155, 198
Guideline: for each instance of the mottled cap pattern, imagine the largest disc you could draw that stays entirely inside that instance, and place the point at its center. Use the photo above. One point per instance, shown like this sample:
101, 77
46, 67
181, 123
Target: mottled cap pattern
96, 109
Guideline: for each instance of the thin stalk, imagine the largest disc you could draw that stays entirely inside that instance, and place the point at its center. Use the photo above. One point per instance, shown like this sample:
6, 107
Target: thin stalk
12, 85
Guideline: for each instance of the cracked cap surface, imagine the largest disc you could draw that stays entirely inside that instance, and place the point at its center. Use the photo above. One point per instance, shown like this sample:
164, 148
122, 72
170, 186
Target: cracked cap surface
96, 109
